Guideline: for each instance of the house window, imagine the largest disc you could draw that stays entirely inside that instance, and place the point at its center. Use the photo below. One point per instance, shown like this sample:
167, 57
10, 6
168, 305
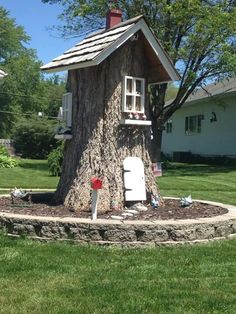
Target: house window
193, 124
169, 126
67, 109
133, 94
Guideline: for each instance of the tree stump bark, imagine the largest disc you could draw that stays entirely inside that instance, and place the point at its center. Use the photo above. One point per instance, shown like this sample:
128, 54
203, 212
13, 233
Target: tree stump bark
100, 143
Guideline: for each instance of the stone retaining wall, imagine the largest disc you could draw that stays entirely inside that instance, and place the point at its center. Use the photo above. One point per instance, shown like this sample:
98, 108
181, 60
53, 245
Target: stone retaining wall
125, 233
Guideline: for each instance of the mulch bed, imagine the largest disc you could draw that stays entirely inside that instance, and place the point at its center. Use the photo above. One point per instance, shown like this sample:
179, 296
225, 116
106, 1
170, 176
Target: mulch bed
171, 210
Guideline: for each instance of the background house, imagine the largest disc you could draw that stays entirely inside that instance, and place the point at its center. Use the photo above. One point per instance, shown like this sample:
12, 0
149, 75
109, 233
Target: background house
205, 125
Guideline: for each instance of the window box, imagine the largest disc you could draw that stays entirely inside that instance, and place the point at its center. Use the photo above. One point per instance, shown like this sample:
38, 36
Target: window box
135, 122
63, 136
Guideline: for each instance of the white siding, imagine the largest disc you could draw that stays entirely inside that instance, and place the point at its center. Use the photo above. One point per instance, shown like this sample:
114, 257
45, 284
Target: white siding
216, 138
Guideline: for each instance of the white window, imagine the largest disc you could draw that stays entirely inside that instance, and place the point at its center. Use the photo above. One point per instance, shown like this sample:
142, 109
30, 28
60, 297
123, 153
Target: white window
193, 124
67, 109
169, 125
133, 94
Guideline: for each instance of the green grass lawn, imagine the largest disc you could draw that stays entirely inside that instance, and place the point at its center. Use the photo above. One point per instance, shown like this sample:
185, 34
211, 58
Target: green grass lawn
29, 174
215, 183
64, 278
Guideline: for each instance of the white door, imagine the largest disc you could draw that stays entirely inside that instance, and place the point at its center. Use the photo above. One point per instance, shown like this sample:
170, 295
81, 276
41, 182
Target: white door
134, 179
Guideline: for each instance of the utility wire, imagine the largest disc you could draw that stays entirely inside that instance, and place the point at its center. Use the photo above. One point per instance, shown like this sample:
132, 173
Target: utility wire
30, 96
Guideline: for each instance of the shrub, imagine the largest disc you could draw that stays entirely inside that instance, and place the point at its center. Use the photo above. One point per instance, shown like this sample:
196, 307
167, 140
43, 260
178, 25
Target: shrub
34, 138
3, 151
55, 159
7, 162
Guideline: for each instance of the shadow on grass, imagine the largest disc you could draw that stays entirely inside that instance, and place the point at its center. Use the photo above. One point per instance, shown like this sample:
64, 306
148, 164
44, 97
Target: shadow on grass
177, 169
34, 165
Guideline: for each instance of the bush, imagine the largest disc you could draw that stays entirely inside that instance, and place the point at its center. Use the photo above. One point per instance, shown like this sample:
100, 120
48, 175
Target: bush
6, 161
55, 159
3, 151
34, 138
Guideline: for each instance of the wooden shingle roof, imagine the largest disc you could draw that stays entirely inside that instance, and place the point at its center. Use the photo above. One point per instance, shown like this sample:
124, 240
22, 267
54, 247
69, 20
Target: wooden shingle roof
97, 47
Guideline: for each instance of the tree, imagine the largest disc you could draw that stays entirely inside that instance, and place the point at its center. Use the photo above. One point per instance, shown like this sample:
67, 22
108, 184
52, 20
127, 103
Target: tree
12, 37
53, 90
34, 137
199, 35
24, 90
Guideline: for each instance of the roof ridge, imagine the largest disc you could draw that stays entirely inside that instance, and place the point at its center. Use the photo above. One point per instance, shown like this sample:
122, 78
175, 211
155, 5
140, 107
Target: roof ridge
124, 23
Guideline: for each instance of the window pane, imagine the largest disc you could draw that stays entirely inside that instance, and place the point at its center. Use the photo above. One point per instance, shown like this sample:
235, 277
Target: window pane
186, 125
129, 103
138, 104
138, 87
199, 124
193, 124
169, 126
129, 86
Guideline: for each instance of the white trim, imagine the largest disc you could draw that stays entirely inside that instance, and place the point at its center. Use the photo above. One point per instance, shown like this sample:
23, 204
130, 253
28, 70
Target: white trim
133, 94
2, 74
63, 136
85, 64
135, 122
106, 52
159, 83
67, 109
160, 52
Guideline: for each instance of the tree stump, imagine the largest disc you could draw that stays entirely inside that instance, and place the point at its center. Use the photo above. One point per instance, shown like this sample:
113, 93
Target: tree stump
100, 143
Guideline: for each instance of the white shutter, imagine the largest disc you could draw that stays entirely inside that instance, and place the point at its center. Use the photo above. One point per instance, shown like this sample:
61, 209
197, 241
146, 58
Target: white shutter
134, 179
67, 109
60, 114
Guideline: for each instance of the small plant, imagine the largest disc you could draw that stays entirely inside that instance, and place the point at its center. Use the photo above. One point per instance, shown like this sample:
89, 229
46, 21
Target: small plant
7, 162
55, 159
3, 151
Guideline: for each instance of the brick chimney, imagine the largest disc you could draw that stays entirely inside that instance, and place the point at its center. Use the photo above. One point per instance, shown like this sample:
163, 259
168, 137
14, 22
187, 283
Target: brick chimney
114, 17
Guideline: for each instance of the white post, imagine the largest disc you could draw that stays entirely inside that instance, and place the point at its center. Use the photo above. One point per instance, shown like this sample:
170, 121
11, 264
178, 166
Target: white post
95, 196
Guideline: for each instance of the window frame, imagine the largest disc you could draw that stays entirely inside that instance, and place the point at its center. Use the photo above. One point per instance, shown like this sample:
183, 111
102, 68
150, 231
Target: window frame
133, 94
197, 121
169, 126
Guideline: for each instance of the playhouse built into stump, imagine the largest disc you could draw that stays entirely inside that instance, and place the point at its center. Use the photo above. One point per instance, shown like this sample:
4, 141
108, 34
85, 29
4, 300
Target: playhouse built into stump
106, 109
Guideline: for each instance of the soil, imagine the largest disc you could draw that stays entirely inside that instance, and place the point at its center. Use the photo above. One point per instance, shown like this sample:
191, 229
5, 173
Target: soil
42, 206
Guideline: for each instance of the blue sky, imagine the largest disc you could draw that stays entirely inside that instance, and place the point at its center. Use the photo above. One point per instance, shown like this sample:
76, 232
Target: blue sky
36, 17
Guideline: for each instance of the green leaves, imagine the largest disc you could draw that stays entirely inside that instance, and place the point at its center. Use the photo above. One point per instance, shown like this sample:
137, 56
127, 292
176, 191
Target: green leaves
199, 35
34, 137
24, 90
12, 37
6, 161
55, 159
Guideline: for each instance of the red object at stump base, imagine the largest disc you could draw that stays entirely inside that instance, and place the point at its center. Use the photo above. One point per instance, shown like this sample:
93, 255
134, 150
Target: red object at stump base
96, 183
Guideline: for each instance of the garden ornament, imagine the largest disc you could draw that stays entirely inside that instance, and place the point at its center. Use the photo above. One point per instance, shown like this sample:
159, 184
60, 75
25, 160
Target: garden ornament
186, 201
